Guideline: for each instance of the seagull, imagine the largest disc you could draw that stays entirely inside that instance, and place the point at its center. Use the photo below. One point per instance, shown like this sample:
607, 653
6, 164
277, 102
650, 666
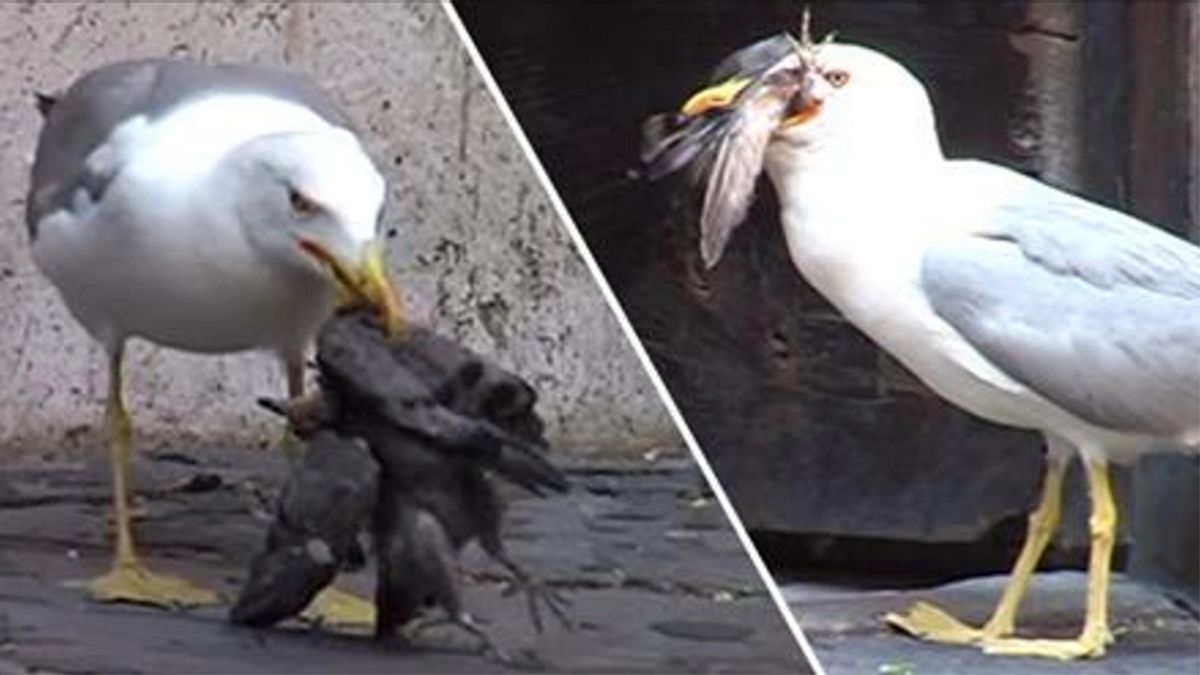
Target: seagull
1016, 301
205, 208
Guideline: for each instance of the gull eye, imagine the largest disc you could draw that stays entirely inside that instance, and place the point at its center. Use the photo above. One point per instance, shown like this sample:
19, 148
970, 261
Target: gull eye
300, 204
837, 78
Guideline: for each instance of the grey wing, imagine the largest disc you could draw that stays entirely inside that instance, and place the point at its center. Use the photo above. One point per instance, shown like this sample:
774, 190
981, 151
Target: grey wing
478, 441
1107, 248
671, 142
1092, 309
355, 357
84, 117
734, 174
332, 492
78, 124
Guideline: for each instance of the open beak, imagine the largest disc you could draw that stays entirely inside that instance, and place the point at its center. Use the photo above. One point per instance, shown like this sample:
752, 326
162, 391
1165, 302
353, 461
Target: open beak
363, 282
725, 95
802, 108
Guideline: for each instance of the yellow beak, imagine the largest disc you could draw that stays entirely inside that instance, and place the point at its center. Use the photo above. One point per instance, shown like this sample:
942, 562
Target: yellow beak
363, 283
717, 96
725, 94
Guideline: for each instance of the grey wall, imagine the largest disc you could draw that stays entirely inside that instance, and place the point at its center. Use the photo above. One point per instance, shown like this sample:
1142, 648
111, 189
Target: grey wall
479, 252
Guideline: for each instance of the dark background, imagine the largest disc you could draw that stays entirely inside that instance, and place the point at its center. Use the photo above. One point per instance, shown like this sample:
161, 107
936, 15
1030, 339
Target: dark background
838, 460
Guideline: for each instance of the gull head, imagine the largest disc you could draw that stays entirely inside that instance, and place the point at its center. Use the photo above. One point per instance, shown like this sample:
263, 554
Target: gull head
311, 203
846, 104
855, 105
794, 108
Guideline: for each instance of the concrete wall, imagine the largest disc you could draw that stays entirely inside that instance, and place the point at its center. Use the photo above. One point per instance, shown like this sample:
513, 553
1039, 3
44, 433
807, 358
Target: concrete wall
479, 253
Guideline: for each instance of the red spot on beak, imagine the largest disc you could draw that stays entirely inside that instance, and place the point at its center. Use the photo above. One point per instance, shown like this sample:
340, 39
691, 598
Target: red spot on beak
806, 112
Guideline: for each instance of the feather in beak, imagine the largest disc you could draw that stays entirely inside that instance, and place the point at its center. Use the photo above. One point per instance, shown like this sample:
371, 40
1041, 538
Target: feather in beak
721, 134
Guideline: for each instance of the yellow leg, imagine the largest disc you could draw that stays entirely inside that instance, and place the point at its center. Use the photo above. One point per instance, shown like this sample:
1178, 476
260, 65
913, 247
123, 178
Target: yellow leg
1095, 635
334, 607
929, 622
293, 367
1042, 524
129, 580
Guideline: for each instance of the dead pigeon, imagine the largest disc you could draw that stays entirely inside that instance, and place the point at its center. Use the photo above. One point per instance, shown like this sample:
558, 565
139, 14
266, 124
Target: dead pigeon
430, 507
326, 502
433, 389
437, 422
416, 565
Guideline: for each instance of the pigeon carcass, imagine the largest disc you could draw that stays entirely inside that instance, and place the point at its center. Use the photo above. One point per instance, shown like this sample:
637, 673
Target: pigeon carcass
437, 423
329, 495
440, 421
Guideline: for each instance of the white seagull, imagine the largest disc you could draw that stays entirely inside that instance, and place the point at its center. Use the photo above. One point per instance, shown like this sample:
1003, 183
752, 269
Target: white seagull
207, 208
1016, 301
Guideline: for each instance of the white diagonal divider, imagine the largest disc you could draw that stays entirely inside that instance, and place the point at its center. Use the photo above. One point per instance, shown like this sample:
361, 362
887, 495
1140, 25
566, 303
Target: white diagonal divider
609, 297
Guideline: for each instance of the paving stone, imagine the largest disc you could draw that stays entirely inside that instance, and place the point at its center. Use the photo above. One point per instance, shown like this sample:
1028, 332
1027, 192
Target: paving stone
657, 580
1153, 634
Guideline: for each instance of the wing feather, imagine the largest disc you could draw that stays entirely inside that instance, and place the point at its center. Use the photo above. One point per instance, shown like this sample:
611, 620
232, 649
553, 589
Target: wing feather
734, 174
1091, 308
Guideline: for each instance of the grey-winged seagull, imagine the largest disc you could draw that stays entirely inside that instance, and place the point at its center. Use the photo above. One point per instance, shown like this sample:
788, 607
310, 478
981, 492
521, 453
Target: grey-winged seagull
1018, 302
207, 208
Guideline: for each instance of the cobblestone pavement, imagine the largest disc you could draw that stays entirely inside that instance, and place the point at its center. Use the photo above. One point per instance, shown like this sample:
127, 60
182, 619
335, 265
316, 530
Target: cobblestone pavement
1153, 634
657, 580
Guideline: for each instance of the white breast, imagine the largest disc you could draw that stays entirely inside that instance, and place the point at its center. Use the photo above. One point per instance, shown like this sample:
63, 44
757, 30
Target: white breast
154, 260
864, 255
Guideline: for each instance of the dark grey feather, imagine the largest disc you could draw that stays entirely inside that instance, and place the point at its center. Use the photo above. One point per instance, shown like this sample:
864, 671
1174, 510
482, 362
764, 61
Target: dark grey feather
417, 564
755, 59
674, 141
436, 495
724, 149
391, 381
735, 171
431, 506
45, 103
671, 142
405, 398
83, 118
327, 500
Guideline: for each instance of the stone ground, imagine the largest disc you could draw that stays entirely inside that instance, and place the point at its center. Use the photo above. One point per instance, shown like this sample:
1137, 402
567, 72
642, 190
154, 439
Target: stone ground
657, 580
1154, 635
